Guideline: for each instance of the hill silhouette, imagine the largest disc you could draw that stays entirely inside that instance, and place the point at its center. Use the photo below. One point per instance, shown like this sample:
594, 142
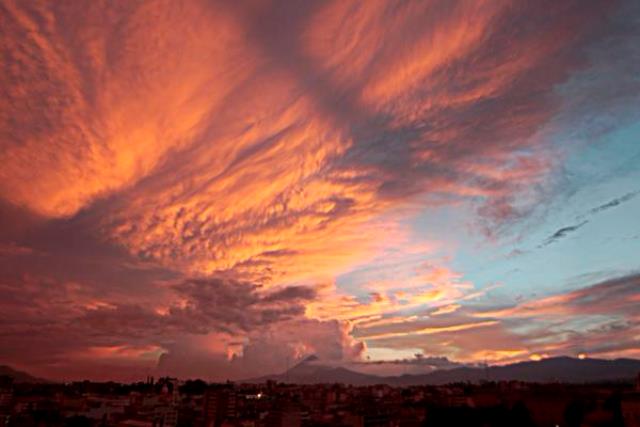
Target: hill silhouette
19, 376
556, 369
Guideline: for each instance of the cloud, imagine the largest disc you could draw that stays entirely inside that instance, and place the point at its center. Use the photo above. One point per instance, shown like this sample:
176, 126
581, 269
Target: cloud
267, 351
12, 249
429, 330
562, 233
181, 171
229, 306
86, 112
394, 289
445, 309
201, 307
417, 365
615, 202
609, 296
204, 322
461, 338
275, 142
598, 319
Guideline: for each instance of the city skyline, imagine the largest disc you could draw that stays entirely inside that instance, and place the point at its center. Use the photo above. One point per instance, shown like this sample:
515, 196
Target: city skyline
213, 190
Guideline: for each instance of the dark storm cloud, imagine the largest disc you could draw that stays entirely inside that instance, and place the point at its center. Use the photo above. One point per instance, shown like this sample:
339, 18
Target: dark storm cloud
238, 305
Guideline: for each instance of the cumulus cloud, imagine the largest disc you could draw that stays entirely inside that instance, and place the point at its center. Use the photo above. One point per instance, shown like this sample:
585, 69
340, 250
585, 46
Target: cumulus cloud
416, 365
206, 322
264, 351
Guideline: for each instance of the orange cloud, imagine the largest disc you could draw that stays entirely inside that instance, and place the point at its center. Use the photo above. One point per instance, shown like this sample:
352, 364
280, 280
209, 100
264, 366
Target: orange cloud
445, 309
94, 106
219, 154
260, 147
430, 330
437, 288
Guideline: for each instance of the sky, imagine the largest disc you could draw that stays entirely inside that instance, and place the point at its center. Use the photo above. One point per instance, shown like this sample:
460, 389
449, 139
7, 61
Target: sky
219, 189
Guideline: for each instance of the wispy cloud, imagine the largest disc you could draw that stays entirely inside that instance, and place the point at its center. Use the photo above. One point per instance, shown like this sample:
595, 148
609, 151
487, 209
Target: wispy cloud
200, 171
615, 202
563, 232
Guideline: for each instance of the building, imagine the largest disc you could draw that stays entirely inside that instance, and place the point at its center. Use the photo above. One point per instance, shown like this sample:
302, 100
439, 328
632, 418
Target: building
6, 400
289, 415
165, 416
630, 406
220, 404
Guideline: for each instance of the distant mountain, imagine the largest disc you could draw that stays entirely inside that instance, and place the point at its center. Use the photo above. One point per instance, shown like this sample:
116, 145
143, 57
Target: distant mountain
310, 371
19, 376
562, 369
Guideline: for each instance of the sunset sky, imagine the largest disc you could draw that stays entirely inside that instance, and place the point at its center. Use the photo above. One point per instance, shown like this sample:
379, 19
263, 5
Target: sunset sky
218, 189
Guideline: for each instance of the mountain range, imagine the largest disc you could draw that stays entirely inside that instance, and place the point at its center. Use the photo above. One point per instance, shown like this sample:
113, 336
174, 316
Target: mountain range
556, 369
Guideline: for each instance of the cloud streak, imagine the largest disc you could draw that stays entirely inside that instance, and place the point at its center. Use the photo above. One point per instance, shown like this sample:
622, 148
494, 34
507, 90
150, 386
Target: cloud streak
614, 203
563, 232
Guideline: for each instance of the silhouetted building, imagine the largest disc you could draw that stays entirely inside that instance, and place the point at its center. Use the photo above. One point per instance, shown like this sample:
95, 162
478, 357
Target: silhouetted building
220, 404
6, 399
166, 416
630, 406
289, 415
